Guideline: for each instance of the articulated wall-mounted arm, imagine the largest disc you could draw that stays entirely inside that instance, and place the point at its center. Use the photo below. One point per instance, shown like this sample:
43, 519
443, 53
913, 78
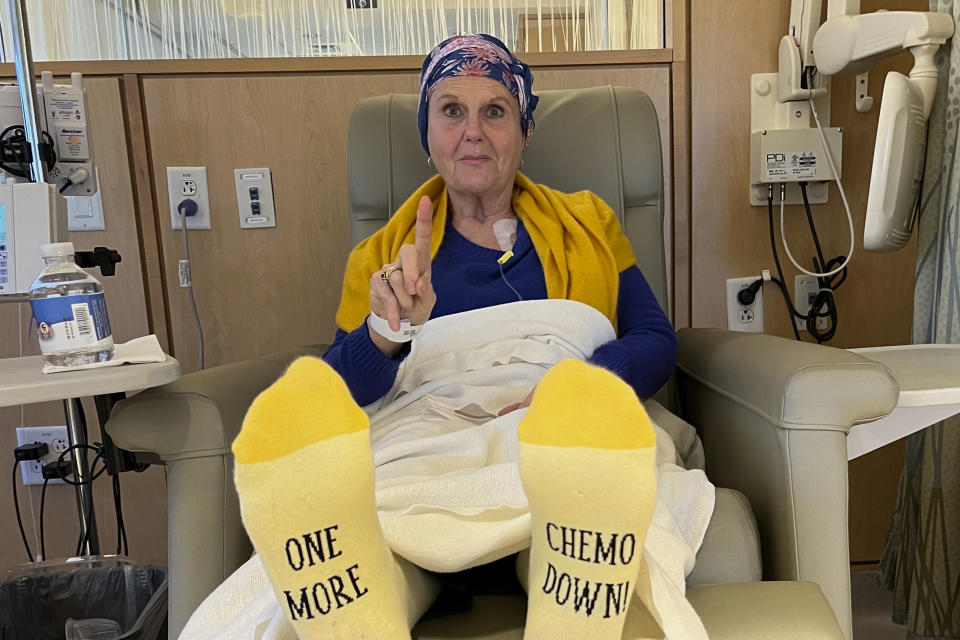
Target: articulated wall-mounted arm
797, 47
842, 8
850, 44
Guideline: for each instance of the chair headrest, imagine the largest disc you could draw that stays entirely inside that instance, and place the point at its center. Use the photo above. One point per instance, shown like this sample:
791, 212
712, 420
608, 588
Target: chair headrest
605, 139
608, 139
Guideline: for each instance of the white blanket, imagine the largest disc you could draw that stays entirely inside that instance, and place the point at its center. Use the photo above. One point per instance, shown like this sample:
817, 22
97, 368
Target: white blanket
448, 488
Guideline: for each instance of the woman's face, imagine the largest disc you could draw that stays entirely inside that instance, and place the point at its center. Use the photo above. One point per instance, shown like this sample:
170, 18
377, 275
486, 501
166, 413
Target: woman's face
473, 129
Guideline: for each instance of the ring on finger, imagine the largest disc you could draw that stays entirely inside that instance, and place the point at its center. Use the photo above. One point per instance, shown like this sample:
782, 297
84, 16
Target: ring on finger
386, 273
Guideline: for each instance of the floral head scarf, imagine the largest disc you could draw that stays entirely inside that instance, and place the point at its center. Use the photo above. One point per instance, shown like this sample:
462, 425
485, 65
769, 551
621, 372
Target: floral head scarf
477, 55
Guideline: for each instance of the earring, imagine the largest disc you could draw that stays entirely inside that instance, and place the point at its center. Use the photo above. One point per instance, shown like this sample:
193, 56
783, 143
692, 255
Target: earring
429, 161
521, 163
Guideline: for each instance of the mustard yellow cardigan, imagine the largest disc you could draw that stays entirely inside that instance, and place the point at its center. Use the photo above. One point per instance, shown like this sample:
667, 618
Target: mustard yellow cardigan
576, 236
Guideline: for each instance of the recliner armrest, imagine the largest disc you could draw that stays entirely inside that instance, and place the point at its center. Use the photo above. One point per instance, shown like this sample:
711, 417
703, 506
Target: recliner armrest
773, 415
794, 385
762, 610
201, 413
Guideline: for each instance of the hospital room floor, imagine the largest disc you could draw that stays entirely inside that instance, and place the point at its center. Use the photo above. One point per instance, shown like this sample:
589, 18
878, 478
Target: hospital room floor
872, 605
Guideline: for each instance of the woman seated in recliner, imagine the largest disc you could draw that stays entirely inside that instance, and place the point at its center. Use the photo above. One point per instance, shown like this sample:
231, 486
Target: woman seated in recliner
440, 253
510, 423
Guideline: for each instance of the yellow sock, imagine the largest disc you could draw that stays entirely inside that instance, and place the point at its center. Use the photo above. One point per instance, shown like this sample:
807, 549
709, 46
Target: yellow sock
304, 472
587, 461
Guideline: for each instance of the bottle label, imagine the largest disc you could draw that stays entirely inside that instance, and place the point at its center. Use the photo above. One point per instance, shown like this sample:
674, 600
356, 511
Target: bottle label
71, 322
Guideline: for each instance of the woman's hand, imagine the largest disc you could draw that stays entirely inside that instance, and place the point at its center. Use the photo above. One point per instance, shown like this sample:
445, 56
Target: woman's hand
409, 294
518, 405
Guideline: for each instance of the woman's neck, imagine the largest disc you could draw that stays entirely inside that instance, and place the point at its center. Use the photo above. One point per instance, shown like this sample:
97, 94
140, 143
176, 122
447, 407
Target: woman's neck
474, 216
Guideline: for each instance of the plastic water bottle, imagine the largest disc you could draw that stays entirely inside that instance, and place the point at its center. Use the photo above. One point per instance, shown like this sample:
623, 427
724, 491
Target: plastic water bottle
69, 310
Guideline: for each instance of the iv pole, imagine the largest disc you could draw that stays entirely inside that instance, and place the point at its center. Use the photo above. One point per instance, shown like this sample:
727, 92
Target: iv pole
23, 62
76, 426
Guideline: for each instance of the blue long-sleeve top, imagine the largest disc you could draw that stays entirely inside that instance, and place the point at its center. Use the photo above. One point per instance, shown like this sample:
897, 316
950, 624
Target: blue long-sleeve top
466, 276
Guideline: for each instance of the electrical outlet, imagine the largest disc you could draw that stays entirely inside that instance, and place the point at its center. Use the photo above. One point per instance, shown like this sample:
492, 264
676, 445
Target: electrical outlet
31, 471
189, 183
744, 317
805, 289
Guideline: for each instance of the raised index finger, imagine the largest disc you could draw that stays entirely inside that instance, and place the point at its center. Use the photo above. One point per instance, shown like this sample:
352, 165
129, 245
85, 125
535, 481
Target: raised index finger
424, 233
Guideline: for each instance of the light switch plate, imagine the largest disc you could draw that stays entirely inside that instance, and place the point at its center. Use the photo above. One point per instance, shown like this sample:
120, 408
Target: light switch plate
255, 198
85, 213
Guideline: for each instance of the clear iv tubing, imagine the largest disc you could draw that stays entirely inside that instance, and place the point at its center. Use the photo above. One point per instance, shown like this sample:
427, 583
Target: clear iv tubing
843, 196
504, 276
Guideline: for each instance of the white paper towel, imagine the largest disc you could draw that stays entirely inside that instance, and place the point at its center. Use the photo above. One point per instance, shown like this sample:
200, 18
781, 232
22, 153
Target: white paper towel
138, 350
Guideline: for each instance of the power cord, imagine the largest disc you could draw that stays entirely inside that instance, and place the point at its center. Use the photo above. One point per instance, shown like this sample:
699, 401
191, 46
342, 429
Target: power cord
16, 507
25, 453
43, 503
61, 469
15, 148
15, 156
97, 448
118, 510
827, 284
77, 176
824, 298
746, 296
186, 209
843, 196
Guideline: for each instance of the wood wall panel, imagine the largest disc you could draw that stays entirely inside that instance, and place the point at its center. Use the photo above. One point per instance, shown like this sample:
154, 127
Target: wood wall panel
677, 28
145, 205
874, 479
728, 236
145, 507
731, 40
262, 290
681, 210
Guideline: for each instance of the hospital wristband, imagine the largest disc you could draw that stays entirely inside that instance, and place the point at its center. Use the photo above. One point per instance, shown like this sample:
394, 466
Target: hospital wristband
407, 331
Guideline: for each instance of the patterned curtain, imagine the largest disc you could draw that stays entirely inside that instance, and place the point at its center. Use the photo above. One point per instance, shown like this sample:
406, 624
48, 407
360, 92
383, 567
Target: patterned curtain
921, 563
173, 29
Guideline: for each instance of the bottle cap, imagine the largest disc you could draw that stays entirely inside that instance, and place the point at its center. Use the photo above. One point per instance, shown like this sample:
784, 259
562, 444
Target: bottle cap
56, 249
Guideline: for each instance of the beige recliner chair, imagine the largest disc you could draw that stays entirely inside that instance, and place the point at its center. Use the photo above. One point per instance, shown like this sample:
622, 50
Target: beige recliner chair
772, 413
